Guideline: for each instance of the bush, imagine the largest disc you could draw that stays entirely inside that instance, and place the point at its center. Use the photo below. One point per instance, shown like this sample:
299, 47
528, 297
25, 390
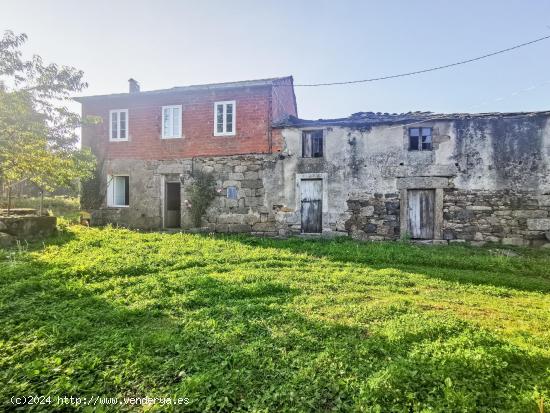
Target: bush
201, 192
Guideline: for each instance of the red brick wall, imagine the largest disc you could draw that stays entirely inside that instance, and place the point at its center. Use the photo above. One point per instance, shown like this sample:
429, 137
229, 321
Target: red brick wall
253, 106
284, 100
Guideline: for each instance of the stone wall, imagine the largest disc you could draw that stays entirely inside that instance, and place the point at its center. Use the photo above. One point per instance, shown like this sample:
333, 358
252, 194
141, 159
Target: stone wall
249, 212
374, 217
252, 211
507, 216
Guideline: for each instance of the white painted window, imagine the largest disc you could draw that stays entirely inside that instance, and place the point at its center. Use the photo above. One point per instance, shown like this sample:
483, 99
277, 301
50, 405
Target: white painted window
224, 118
118, 191
118, 125
171, 122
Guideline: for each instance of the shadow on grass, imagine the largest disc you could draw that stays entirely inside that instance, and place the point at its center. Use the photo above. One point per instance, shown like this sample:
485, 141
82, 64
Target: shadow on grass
235, 345
529, 271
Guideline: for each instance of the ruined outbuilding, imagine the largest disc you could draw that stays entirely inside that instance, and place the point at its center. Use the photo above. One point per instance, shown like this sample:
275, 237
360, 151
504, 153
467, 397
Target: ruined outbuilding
433, 177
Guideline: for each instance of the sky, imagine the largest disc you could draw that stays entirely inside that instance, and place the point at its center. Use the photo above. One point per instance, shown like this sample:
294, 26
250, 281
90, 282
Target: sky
166, 43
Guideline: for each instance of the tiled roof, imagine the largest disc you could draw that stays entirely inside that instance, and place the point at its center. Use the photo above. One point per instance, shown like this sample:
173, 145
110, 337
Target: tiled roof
366, 119
209, 86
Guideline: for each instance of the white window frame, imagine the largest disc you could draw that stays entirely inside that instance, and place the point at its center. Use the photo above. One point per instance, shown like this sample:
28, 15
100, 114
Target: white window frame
111, 191
163, 135
225, 103
118, 112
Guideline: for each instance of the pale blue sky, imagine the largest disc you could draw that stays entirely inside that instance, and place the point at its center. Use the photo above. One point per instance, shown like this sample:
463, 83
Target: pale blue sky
172, 43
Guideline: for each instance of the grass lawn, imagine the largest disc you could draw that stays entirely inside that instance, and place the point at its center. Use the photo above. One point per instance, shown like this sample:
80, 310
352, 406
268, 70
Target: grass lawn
60, 206
249, 324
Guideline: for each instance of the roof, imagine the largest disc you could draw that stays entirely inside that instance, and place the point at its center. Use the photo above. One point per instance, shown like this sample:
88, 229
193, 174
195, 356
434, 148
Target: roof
367, 119
192, 88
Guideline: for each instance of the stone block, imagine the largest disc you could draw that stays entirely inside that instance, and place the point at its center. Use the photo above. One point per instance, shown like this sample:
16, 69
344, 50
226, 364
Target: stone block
479, 208
478, 236
252, 183
534, 213
251, 175
230, 183
239, 228
517, 241
538, 224
6, 240
367, 211
236, 176
371, 228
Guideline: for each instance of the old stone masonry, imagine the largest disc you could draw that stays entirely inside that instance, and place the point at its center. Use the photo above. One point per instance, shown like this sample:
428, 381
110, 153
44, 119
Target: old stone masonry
435, 178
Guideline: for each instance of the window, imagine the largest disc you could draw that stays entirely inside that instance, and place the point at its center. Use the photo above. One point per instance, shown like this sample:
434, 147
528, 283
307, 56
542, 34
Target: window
312, 144
171, 122
118, 191
232, 192
224, 118
420, 139
118, 125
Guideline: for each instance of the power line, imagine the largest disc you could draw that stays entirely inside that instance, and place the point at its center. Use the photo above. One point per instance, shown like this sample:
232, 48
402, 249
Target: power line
445, 116
432, 69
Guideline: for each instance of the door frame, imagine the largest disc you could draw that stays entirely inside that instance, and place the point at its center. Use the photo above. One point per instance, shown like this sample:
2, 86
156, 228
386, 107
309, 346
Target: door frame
430, 232
439, 183
298, 194
438, 211
319, 214
164, 181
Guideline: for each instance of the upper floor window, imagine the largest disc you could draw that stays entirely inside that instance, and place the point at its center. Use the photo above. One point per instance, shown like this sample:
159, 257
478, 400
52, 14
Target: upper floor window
224, 118
118, 125
420, 139
118, 191
312, 144
171, 122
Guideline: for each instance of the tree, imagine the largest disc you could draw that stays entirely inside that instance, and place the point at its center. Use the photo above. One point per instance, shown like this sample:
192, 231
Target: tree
38, 140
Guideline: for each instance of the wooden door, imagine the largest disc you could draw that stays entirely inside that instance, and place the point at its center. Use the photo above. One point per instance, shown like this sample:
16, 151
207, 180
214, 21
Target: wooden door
421, 213
311, 193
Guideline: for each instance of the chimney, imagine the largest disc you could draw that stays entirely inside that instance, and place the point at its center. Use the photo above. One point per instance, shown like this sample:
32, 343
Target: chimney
133, 85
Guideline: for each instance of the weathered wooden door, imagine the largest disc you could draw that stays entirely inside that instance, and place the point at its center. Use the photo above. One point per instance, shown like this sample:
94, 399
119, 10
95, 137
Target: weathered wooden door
311, 191
421, 213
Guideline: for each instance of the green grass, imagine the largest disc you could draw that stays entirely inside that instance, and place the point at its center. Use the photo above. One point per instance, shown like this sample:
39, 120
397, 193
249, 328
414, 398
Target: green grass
60, 206
250, 324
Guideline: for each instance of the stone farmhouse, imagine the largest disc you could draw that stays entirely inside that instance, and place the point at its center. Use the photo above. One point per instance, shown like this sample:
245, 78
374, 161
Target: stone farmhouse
374, 176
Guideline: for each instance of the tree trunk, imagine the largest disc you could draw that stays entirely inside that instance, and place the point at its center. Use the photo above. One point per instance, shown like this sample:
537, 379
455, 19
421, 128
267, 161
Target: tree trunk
9, 200
41, 200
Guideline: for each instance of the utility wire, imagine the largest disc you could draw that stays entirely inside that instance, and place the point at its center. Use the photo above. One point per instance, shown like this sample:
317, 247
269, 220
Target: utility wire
446, 116
432, 69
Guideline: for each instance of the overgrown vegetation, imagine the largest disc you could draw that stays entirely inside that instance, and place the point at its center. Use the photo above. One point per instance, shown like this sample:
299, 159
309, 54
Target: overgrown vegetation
250, 324
64, 207
201, 192
38, 140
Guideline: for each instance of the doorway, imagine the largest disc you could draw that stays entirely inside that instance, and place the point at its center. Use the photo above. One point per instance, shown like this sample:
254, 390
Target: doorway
172, 213
421, 213
311, 195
